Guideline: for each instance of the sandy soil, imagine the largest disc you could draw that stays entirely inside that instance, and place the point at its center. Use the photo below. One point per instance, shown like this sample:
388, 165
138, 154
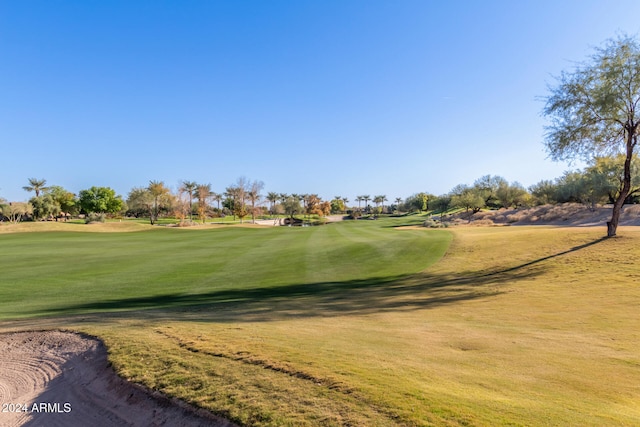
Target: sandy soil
57, 378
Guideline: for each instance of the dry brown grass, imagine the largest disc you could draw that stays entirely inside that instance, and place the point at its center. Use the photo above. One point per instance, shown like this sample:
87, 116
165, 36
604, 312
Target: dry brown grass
41, 226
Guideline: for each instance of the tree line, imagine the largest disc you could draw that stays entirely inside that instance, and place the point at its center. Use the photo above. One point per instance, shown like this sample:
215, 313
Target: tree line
156, 200
598, 183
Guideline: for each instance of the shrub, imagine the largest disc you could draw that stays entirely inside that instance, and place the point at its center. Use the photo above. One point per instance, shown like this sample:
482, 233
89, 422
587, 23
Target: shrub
514, 218
355, 214
482, 222
95, 217
431, 223
631, 211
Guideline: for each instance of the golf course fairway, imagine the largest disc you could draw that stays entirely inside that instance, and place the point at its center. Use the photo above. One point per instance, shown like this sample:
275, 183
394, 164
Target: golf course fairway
355, 323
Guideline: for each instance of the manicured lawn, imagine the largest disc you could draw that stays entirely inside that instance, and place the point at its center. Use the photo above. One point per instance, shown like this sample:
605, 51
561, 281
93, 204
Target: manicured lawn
356, 323
59, 272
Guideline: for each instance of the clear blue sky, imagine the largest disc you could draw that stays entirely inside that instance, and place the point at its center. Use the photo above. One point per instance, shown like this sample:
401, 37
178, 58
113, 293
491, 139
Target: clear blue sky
338, 98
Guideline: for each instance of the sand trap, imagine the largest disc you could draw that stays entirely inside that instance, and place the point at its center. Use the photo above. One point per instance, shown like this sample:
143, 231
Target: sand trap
57, 378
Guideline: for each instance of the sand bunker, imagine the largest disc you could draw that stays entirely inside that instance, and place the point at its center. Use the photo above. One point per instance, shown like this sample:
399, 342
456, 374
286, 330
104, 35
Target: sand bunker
63, 379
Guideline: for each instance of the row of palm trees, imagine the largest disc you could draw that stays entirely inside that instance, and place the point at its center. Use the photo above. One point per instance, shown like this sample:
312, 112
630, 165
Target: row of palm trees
378, 200
273, 198
202, 192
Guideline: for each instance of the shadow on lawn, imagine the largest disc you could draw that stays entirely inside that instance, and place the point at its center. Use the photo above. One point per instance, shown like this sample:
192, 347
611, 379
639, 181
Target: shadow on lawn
319, 299
373, 295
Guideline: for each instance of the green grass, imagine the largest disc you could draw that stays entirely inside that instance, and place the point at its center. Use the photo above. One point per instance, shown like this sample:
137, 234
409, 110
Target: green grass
352, 323
59, 272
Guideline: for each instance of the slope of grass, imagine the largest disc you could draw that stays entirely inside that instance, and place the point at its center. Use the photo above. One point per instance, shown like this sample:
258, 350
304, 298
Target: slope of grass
514, 326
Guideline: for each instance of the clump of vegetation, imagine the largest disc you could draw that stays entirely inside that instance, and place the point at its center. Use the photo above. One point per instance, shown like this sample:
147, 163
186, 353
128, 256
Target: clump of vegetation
94, 217
432, 223
15, 212
631, 211
186, 223
354, 214
485, 222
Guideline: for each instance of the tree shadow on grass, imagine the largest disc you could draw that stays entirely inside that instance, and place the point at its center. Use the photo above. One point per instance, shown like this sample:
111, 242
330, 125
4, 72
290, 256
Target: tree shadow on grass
320, 299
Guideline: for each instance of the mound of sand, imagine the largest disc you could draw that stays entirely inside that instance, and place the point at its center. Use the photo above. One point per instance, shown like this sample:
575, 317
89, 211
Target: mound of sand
63, 379
566, 214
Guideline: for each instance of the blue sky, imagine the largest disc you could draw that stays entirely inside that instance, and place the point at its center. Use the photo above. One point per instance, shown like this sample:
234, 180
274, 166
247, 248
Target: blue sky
339, 98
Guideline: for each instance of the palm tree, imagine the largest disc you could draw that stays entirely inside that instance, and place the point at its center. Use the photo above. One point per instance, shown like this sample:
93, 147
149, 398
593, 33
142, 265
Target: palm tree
233, 193
398, 201
218, 198
378, 200
345, 201
203, 192
359, 199
189, 187
36, 185
382, 198
272, 198
254, 196
366, 199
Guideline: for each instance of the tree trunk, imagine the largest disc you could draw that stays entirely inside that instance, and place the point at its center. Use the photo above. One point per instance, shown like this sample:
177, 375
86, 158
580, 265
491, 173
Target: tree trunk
612, 225
253, 213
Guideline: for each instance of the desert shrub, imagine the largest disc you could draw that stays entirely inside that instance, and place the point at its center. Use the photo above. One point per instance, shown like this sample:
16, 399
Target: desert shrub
481, 222
518, 216
431, 223
187, 223
95, 217
631, 211
355, 214
513, 218
484, 215
563, 212
552, 214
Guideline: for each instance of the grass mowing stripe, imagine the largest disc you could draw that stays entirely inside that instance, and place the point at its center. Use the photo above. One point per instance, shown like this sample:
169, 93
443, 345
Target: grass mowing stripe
318, 266
57, 272
404, 249
274, 259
